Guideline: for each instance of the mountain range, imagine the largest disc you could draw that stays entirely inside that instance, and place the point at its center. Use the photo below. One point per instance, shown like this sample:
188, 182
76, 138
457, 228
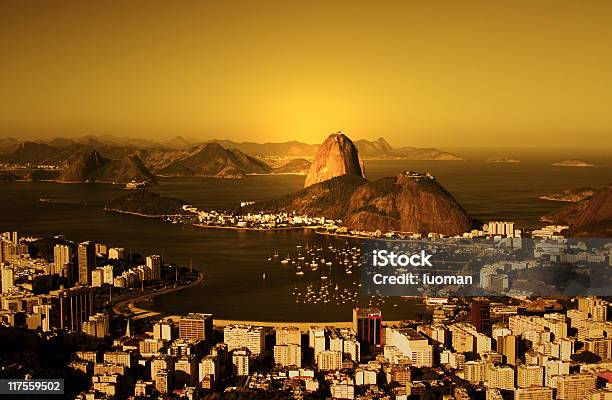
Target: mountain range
113, 147
182, 157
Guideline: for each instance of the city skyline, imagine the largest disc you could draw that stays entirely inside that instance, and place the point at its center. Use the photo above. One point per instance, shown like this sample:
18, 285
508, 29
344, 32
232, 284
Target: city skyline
417, 74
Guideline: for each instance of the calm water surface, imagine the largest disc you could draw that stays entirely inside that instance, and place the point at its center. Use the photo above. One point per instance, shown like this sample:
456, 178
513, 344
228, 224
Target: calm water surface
235, 261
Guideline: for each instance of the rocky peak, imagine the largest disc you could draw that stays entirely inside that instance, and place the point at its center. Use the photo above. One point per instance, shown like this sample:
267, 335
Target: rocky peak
337, 156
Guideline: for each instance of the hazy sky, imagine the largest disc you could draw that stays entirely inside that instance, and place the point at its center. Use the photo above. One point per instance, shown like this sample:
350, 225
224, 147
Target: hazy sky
445, 74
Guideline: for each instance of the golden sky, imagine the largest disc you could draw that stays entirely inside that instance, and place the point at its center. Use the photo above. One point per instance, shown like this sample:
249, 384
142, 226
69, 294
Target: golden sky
427, 73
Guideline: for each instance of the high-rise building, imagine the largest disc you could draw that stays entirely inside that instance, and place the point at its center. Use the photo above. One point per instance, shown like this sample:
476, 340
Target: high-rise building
474, 371
46, 315
63, 258
240, 361
150, 347
288, 348
209, 367
8, 279
117, 253
119, 357
573, 387
288, 335
563, 348
481, 315
530, 375
161, 363
410, 344
596, 309
367, 324
462, 340
555, 323
185, 371
555, 367
508, 347
108, 274
163, 381
436, 332
501, 228
317, 340
288, 355
240, 336
601, 347
345, 341
329, 360
164, 329
154, 262
101, 249
97, 327
97, 277
534, 393
499, 377
74, 305
86, 259
196, 326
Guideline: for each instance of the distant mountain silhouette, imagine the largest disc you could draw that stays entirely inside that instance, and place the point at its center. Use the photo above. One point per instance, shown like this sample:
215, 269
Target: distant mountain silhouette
180, 143
375, 149
213, 160
285, 149
30, 153
91, 166
295, 166
7, 144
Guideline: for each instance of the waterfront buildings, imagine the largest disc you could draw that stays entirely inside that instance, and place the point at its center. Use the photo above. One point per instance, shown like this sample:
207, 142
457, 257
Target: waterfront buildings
239, 336
367, 324
410, 344
196, 326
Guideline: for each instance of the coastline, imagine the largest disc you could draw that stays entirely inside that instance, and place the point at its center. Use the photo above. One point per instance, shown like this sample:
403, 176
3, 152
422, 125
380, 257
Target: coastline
240, 228
143, 215
129, 308
120, 307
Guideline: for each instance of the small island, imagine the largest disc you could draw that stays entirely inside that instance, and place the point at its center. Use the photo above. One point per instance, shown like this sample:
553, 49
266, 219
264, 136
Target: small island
147, 204
573, 163
571, 195
503, 159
